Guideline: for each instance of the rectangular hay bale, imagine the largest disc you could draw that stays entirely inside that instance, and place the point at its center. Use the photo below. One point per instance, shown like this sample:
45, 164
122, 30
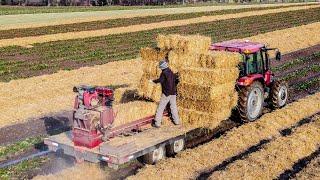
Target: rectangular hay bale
209, 59
149, 90
153, 54
205, 93
210, 106
191, 43
192, 118
208, 77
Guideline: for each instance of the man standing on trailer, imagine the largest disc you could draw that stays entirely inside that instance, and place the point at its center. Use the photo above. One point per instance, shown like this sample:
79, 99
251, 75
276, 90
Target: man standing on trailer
168, 81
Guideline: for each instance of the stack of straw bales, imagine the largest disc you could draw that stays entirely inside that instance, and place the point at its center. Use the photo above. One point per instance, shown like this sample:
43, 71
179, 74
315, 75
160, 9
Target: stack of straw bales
206, 92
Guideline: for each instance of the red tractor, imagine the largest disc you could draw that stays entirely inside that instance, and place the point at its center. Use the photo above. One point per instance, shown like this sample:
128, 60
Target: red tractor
256, 83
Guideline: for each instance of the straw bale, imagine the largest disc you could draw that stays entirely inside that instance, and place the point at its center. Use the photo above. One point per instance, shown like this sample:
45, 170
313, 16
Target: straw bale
193, 118
149, 90
191, 43
210, 106
153, 54
209, 59
276, 157
131, 111
190, 163
151, 69
208, 77
205, 93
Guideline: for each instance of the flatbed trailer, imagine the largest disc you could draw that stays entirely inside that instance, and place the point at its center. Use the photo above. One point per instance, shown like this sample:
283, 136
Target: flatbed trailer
151, 145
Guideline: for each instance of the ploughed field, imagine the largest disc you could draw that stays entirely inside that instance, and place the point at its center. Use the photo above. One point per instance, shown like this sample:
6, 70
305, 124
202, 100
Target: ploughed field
282, 143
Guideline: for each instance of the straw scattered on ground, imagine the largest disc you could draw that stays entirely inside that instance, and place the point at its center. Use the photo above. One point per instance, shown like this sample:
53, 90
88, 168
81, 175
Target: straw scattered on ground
275, 157
40, 20
312, 171
42, 95
28, 98
83, 171
190, 163
25, 41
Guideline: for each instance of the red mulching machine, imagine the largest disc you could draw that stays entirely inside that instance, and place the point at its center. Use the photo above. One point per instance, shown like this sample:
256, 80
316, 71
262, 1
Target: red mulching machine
93, 137
256, 83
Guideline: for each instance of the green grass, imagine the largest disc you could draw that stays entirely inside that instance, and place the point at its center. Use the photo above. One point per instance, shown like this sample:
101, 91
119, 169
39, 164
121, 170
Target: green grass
23, 169
297, 62
18, 147
302, 72
315, 82
95, 25
19, 62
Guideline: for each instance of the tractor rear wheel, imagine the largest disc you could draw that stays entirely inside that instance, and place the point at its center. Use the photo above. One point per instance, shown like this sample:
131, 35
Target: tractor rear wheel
250, 103
279, 94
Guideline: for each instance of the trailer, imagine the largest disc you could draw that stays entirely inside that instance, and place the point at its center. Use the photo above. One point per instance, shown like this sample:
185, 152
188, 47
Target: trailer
149, 146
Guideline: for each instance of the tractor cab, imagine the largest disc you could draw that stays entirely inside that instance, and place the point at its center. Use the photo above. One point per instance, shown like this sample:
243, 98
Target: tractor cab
256, 83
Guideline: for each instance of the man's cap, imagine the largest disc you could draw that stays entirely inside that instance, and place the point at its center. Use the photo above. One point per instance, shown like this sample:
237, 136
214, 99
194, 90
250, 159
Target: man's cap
163, 64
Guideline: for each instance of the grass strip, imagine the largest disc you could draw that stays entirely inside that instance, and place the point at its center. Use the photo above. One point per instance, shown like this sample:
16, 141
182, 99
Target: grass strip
46, 58
302, 72
276, 156
18, 147
312, 171
22, 170
314, 82
190, 163
111, 23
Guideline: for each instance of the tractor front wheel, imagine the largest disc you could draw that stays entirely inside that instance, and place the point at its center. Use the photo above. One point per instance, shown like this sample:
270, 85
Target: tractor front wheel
251, 100
279, 94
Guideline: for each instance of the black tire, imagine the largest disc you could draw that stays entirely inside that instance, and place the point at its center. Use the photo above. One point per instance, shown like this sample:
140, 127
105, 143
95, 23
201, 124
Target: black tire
175, 147
279, 94
243, 103
150, 158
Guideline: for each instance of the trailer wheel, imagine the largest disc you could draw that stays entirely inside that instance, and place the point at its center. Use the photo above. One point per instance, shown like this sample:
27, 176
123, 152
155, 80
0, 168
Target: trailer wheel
154, 156
175, 147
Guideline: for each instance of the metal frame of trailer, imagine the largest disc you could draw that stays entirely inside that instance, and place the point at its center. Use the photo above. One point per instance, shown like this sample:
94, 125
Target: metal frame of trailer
118, 150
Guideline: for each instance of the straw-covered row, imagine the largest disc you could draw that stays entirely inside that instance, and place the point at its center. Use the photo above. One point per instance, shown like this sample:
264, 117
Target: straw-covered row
275, 157
312, 171
190, 163
206, 92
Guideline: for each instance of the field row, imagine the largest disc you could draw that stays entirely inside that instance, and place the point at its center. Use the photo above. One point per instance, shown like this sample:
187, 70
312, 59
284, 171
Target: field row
276, 156
190, 163
312, 171
56, 88
46, 58
26, 41
40, 20
111, 23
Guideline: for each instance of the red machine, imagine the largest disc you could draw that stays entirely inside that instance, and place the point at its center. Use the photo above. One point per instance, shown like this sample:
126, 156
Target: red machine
256, 83
93, 117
